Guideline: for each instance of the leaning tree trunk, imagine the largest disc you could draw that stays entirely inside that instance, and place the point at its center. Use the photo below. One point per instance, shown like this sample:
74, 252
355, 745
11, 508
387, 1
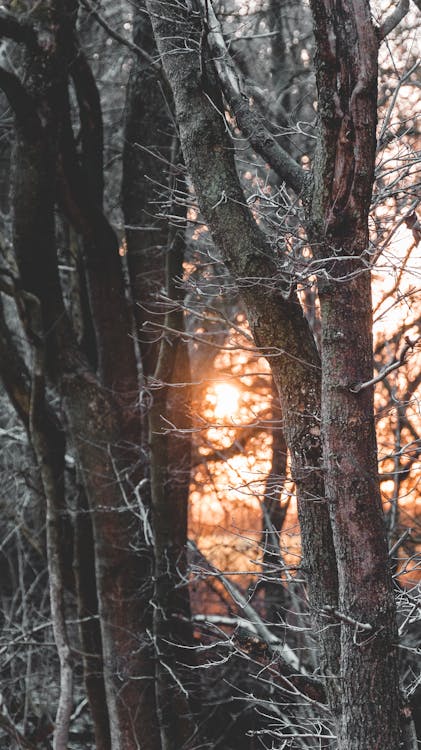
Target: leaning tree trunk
277, 321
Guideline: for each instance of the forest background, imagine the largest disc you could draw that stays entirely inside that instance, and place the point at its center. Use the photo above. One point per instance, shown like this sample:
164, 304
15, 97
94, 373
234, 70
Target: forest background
188, 560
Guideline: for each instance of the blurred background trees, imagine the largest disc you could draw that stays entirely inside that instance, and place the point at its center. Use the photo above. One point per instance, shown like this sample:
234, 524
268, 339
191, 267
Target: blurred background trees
136, 410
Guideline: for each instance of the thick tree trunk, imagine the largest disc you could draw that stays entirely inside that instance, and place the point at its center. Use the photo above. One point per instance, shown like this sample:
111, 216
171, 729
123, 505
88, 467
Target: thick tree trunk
346, 68
370, 694
276, 319
104, 434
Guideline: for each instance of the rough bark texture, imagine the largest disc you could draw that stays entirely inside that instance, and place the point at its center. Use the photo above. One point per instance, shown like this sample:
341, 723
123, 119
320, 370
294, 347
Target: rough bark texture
146, 159
103, 434
346, 66
277, 321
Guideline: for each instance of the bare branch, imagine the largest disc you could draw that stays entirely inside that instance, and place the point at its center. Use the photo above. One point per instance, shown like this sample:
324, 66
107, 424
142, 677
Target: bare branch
346, 618
251, 123
400, 541
282, 650
18, 29
393, 366
393, 19
118, 37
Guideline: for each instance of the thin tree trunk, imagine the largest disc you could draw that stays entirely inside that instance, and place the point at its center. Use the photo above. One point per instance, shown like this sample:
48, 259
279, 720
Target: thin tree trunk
44, 441
90, 630
170, 444
274, 514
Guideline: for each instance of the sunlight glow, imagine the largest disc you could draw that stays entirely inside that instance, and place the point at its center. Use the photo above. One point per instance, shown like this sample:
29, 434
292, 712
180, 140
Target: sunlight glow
227, 399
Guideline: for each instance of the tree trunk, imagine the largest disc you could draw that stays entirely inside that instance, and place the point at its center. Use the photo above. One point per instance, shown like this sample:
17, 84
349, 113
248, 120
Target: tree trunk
90, 630
277, 321
47, 449
103, 433
346, 68
370, 693
274, 514
146, 160
170, 444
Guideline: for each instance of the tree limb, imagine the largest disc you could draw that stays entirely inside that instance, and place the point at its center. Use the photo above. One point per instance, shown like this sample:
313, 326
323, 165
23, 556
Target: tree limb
357, 388
22, 104
118, 37
393, 19
18, 29
282, 650
251, 122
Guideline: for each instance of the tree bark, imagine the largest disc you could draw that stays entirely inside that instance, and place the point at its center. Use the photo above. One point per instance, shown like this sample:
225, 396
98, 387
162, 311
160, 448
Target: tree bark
104, 434
346, 68
277, 321
146, 160
170, 444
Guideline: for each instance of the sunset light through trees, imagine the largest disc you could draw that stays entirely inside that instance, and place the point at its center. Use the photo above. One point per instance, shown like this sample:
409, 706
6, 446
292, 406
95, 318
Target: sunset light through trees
210, 375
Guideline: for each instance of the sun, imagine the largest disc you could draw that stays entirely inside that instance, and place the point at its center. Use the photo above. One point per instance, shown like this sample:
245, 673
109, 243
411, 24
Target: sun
227, 398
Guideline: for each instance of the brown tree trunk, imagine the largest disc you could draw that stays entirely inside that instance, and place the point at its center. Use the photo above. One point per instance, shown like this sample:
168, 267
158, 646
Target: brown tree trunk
346, 68
370, 687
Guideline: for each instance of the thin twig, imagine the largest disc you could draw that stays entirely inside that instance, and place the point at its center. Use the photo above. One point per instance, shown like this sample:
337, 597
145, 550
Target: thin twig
118, 37
329, 610
390, 368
